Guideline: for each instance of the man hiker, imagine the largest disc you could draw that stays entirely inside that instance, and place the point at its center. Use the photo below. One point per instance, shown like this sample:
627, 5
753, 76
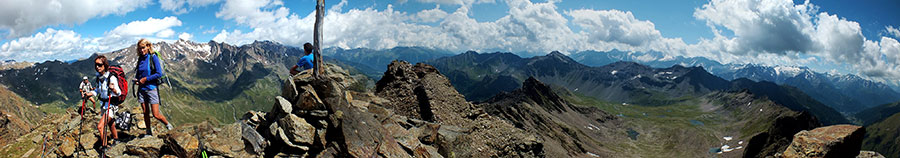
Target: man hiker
306, 62
85, 87
107, 88
147, 75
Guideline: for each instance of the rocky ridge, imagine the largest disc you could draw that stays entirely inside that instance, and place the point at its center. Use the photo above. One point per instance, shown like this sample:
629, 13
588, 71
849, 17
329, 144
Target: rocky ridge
567, 130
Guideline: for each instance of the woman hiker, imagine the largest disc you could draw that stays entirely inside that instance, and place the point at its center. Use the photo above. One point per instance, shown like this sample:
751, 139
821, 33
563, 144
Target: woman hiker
107, 87
147, 74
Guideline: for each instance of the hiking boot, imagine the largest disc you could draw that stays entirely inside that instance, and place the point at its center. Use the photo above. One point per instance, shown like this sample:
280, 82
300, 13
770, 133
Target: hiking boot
169, 126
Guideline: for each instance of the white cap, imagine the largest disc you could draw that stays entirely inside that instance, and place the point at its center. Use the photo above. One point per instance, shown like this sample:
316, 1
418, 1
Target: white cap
85, 78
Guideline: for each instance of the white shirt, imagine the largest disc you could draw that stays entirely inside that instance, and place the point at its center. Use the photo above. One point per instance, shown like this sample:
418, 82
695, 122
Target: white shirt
86, 86
103, 87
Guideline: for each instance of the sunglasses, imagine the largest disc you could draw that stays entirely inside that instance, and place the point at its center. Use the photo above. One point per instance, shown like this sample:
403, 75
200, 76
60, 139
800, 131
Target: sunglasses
98, 64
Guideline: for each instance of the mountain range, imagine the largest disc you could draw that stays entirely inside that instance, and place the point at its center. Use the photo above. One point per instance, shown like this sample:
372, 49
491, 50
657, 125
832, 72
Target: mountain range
623, 82
846, 93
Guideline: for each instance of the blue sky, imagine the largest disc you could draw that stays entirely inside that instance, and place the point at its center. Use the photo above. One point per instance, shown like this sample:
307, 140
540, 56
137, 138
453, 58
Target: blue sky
828, 36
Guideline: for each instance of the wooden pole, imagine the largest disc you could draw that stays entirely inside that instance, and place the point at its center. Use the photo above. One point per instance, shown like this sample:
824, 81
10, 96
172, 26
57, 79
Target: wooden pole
317, 38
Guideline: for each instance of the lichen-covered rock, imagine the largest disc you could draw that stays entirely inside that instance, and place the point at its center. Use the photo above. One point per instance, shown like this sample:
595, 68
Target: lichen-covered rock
830, 141
144, 147
183, 144
282, 108
227, 142
869, 154
87, 140
256, 141
297, 129
307, 99
67, 148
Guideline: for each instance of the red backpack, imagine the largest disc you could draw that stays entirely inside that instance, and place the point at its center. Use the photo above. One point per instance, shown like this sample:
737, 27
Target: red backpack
123, 84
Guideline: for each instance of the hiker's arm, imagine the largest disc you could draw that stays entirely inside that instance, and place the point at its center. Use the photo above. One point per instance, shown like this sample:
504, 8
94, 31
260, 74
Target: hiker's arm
158, 73
114, 85
294, 70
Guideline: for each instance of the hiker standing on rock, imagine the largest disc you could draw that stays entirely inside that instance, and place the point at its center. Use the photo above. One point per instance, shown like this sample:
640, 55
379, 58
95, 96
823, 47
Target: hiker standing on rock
86, 87
306, 62
107, 88
147, 74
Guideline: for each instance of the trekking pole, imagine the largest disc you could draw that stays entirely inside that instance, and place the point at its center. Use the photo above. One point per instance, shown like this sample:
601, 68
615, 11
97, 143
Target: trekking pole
200, 140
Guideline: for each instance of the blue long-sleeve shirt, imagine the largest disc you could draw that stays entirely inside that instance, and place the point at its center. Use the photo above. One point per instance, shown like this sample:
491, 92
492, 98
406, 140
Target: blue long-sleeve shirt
306, 62
143, 70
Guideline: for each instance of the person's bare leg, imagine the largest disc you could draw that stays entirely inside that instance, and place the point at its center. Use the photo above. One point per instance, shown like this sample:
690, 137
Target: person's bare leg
159, 116
112, 127
93, 102
100, 126
147, 118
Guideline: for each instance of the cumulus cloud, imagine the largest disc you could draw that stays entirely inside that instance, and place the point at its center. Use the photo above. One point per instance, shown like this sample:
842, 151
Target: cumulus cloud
786, 30
761, 26
22, 17
431, 15
184, 6
615, 25
147, 27
892, 31
529, 27
128, 33
47, 45
67, 44
185, 36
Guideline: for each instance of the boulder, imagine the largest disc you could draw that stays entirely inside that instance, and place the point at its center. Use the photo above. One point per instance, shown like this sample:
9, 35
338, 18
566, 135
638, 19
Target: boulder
307, 99
115, 151
830, 141
869, 154
282, 108
144, 147
256, 141
777, 137
87, 140
182, 144
297, 129
228, 142
67, 148
254, 117
280, 137
91, 153
289, 90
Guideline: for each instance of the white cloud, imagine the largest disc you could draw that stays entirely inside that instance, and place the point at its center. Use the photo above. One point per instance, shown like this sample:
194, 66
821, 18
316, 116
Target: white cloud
761, 26
128, 33
431, 15
892, 31
786, 30
147, 27
67, 44
529, 27
48, 45
615, 26
184, 6
23, 17
185, 36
